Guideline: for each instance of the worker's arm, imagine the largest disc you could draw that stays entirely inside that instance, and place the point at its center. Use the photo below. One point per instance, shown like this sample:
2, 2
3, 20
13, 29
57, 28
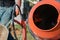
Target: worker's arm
18, 2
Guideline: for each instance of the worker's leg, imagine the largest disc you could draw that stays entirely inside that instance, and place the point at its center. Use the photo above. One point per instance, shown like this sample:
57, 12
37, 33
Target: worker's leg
7, 16
2, 10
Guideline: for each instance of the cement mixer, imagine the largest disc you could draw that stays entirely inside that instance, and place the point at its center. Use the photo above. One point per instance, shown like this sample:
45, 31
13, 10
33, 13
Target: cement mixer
44, 20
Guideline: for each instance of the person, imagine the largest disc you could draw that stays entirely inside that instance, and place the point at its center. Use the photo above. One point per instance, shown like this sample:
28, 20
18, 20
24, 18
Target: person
6, 8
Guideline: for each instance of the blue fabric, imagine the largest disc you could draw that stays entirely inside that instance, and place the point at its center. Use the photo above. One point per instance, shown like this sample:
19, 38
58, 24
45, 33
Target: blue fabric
5, 15
6, 8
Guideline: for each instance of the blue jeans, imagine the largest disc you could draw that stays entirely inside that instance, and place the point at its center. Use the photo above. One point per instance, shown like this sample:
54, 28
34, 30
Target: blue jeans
5, 15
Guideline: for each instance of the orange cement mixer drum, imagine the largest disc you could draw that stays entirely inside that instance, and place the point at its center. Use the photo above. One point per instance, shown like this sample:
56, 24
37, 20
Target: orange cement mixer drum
44, 19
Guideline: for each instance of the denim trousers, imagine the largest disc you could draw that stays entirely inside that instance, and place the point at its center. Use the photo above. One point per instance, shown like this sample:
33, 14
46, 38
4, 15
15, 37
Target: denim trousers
5, 15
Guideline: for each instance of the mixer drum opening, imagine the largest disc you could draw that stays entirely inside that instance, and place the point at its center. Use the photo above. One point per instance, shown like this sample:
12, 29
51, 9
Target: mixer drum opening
45, 16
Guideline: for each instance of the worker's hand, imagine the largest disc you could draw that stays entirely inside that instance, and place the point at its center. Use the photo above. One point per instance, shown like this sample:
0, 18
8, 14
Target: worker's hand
17, 11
